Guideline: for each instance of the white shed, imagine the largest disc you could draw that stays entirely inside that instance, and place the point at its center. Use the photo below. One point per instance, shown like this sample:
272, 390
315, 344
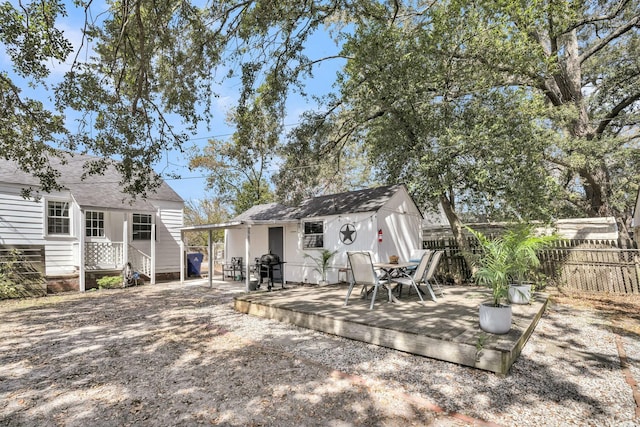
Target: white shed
383, 220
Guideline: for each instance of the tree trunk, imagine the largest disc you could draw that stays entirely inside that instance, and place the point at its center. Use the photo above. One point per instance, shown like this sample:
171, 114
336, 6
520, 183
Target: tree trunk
458, 232
565, 88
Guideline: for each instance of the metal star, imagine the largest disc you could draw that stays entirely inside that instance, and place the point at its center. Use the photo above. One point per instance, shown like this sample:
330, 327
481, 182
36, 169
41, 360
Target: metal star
348, 234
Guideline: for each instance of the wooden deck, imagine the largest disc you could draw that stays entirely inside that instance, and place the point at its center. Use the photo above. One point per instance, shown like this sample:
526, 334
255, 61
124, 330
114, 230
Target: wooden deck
445, 330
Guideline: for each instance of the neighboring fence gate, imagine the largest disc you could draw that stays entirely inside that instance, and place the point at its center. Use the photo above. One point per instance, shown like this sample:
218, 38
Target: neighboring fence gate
580, 264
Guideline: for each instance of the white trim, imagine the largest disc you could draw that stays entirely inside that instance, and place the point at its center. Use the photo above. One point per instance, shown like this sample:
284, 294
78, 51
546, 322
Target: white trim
125, 239
182, 260
82, 285
104, 225
304, 234
247, 246
45, 213
152, 218
211, 256
153, 250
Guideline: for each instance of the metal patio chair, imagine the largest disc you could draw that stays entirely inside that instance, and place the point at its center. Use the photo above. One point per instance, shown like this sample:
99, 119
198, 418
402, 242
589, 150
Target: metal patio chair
363, 274
415, 277
430, 276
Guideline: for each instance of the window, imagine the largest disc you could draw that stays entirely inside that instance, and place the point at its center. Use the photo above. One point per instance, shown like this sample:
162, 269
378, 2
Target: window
57, 217
141, 227
94, 224
313, 234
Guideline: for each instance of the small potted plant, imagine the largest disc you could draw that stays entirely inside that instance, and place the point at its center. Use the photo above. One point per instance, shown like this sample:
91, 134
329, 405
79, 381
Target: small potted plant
322, 264
493, 268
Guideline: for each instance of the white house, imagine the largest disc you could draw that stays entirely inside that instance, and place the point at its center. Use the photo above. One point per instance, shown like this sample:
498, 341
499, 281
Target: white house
91, 226
383, 220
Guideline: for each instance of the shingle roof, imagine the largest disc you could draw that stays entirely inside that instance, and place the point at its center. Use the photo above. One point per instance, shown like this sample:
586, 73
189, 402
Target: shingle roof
367, 200
267, 212
97, 191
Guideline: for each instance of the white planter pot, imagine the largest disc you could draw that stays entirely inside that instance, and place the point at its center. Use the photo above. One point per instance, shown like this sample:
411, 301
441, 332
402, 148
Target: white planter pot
495, 320
520, 294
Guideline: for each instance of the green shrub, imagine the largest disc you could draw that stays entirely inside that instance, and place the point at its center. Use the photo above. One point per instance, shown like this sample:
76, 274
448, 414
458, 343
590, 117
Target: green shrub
109, 282
7, 287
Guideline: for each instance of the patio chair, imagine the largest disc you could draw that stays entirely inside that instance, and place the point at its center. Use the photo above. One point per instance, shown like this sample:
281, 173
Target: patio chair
363, 273
233, 269
416, 276
416, 256
430, 276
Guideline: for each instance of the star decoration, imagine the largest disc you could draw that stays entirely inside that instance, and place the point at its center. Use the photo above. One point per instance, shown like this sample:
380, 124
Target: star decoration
348, 234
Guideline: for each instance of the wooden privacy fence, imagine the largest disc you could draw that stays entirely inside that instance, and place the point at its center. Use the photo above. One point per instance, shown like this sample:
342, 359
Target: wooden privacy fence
22, 271
594, 266
580, 264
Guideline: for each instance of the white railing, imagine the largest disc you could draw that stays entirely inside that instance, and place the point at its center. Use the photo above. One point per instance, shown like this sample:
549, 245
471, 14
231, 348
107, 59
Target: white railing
140, 261
110, 255
103, 255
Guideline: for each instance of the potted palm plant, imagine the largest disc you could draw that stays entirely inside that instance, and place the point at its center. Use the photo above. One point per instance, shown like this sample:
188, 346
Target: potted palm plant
322, 264
492, 270
524, 247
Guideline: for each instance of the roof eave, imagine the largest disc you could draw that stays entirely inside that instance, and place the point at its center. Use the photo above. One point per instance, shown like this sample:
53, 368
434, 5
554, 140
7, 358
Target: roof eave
206, 227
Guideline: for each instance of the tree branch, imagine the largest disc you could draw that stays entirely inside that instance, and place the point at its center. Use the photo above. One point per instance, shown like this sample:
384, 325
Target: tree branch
621, 6
614, 35
616, 111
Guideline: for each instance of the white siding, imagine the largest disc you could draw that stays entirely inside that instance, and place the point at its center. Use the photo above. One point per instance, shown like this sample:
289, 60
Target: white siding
169, 221
22, 223
298, 267
62, 253
236, 238
302, 268
588, 228
401, 225
61, 256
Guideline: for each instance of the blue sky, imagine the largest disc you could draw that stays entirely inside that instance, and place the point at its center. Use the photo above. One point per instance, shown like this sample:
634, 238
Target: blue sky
192, 184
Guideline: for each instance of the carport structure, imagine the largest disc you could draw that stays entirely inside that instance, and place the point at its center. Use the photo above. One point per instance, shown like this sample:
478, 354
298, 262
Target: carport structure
239, 226
210, 228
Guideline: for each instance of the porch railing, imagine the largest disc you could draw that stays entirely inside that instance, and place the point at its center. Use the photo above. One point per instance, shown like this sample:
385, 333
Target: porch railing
140, 261
110, 255
103, 255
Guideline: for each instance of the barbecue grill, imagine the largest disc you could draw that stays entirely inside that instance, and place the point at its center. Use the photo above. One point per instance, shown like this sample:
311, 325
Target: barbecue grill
266, 265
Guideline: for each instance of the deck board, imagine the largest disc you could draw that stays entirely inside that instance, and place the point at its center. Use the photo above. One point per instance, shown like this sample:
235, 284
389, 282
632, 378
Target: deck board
446, 330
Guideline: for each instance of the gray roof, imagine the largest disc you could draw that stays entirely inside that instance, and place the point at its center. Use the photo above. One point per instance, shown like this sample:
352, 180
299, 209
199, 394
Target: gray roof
96, 191
267, 212
367, 200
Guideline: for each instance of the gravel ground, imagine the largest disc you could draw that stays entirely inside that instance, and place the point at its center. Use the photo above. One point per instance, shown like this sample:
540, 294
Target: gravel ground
180, 355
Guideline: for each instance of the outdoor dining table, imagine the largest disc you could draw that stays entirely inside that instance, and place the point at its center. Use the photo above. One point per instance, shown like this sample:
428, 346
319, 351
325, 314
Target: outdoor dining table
389, 269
